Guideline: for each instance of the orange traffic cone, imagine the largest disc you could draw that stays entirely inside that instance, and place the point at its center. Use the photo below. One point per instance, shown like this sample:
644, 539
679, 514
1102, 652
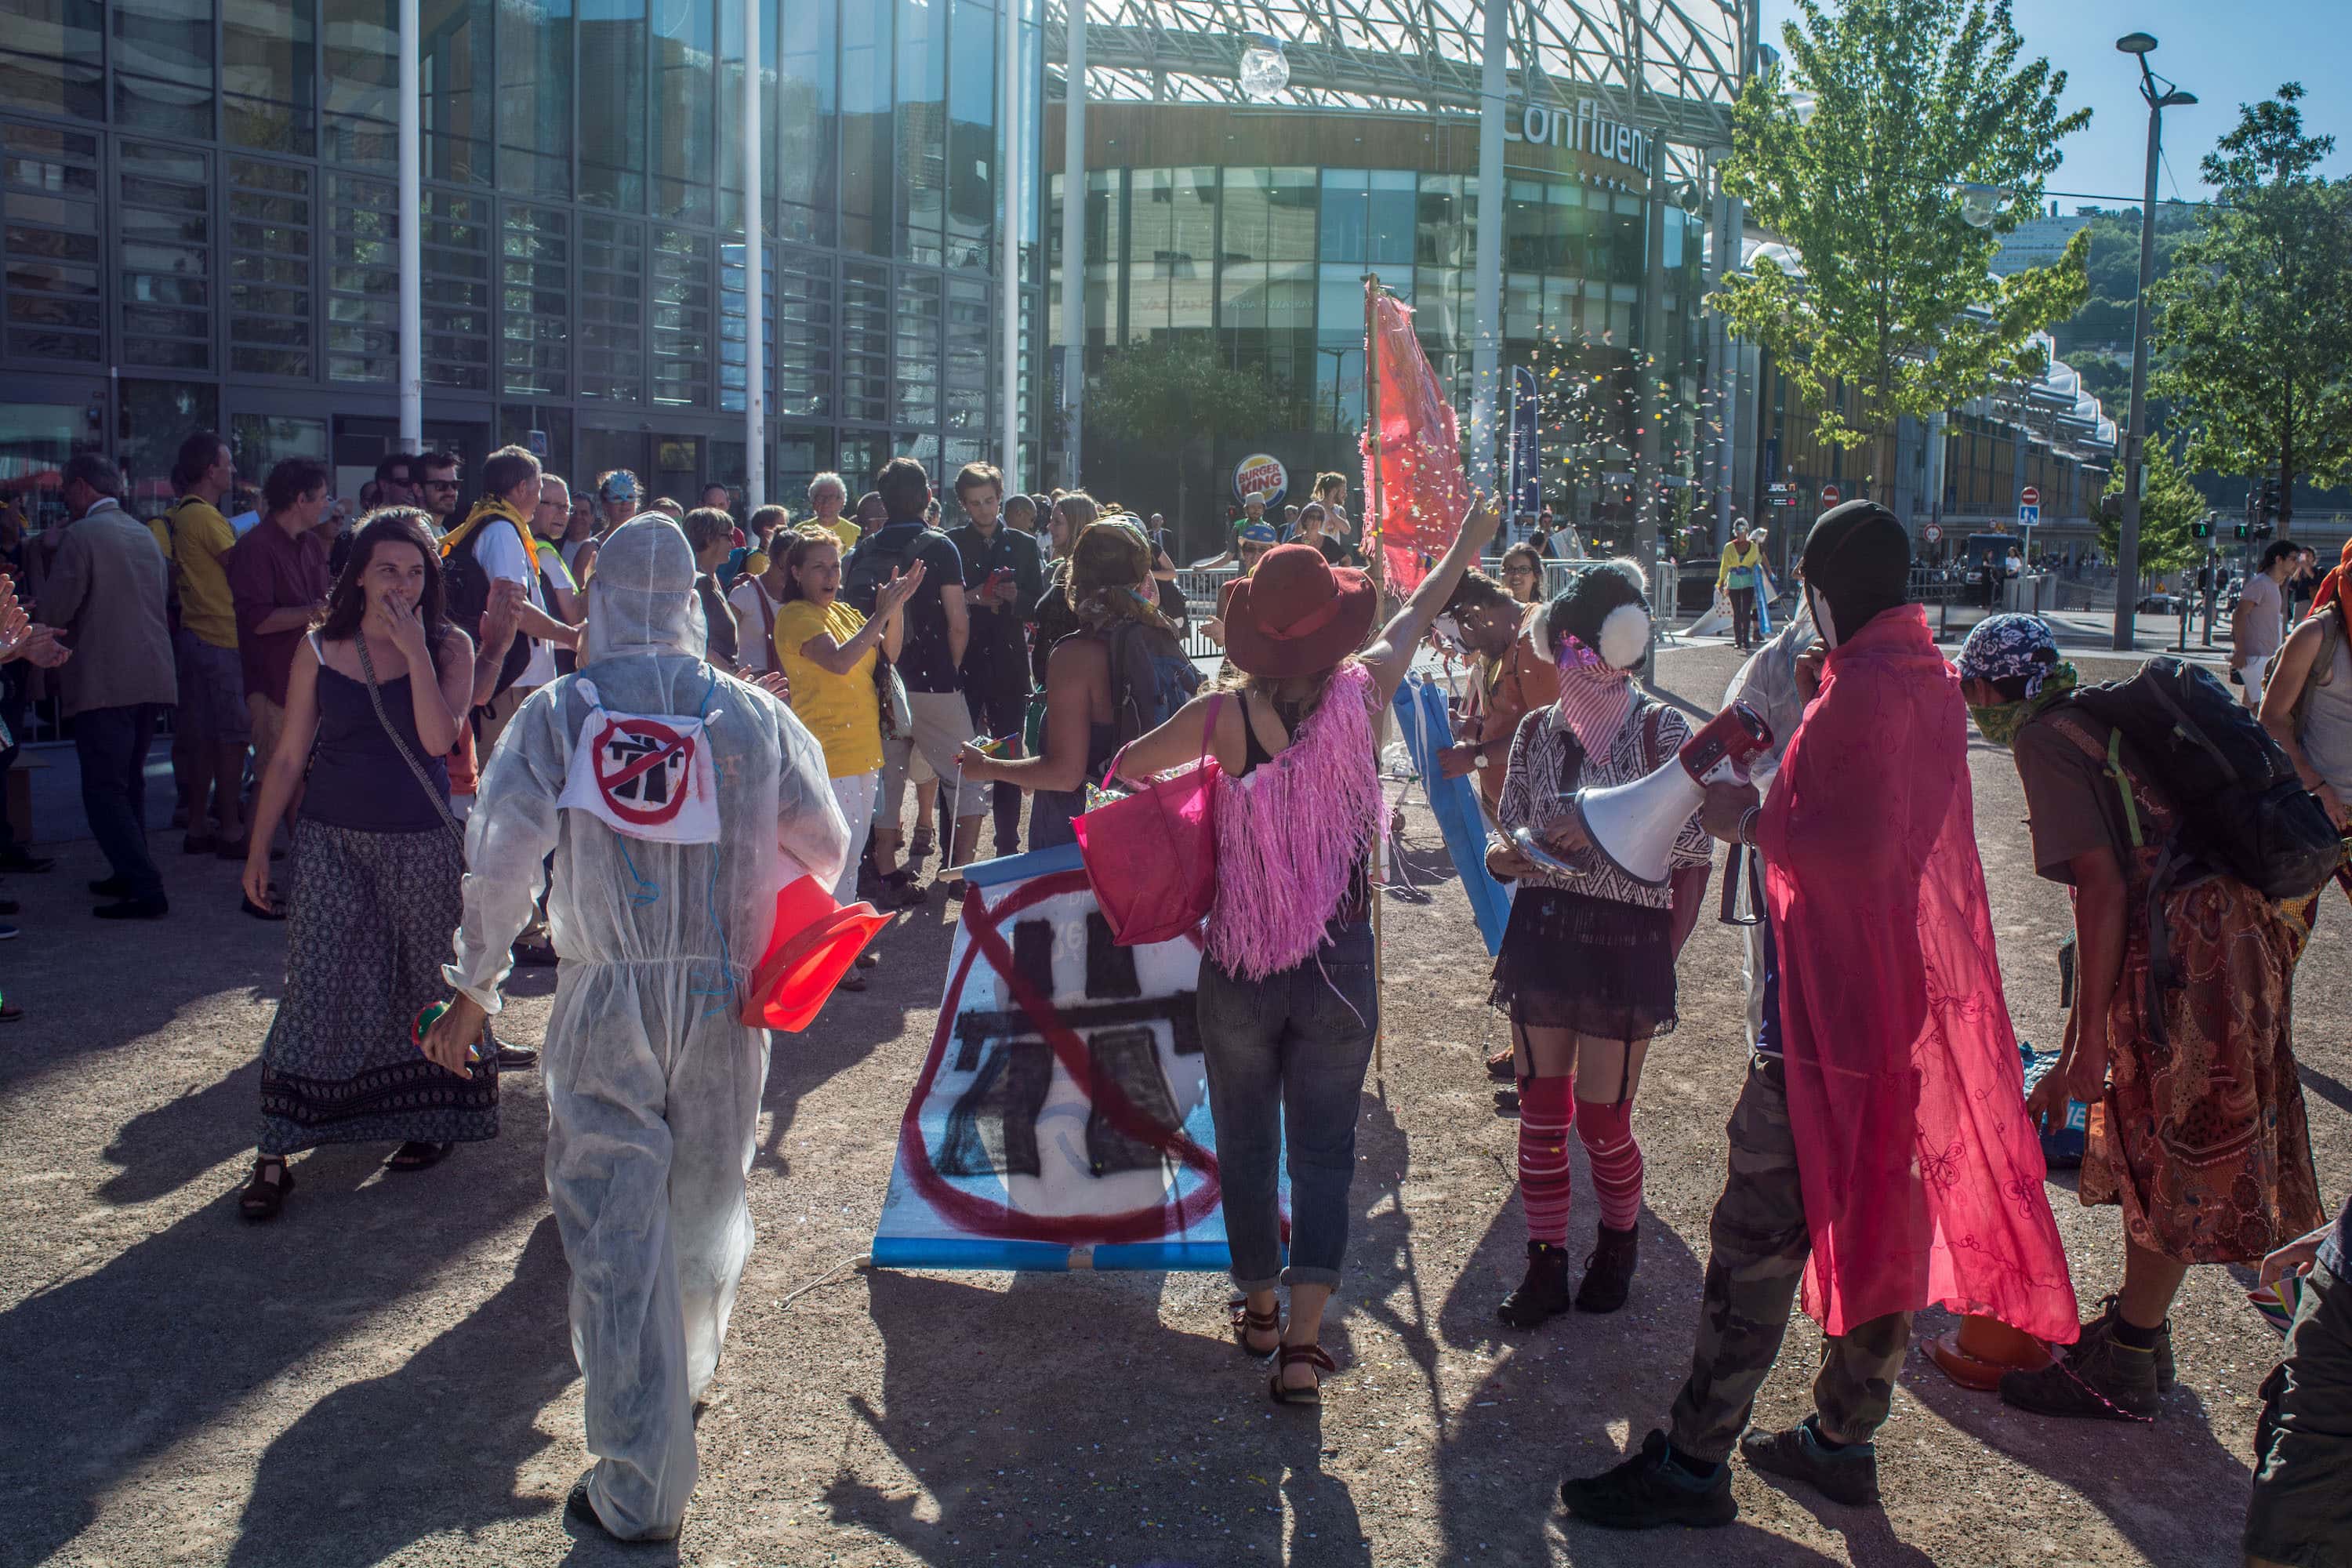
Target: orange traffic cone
1974, 1354
814, 943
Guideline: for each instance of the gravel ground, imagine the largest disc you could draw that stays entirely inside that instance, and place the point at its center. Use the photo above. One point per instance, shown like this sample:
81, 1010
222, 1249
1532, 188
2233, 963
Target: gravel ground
385, 1375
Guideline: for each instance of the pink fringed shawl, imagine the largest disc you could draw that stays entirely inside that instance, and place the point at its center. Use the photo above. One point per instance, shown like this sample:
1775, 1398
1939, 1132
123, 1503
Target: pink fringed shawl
1290, 833
1923, 1181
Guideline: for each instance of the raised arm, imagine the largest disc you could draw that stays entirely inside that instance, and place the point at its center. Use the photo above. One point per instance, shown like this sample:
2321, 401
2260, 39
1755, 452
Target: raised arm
1390, 655
885, 628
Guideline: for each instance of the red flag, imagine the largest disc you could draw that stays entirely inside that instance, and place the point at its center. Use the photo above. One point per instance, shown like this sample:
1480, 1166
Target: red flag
1416, 493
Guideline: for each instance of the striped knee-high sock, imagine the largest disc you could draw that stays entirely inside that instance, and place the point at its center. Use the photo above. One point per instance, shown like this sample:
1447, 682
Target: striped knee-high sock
1546, 1107
1608, 1134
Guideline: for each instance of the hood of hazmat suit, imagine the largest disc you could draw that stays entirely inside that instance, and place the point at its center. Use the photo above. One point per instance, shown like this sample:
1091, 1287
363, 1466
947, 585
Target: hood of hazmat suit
653, 1085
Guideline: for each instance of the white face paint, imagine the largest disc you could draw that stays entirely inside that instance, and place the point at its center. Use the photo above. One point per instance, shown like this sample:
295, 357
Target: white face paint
1822, 617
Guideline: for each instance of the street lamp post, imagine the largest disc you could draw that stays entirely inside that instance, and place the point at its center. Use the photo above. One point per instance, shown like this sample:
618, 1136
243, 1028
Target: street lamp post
2160, 95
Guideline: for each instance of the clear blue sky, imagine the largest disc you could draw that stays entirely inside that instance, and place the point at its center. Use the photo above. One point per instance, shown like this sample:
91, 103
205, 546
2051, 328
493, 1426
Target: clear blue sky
2227, 52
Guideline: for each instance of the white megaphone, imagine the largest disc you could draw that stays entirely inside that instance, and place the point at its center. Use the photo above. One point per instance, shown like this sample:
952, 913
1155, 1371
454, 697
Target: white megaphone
1634, 827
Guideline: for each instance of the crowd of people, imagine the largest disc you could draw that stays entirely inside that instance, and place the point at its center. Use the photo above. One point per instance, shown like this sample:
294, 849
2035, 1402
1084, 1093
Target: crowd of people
433, 717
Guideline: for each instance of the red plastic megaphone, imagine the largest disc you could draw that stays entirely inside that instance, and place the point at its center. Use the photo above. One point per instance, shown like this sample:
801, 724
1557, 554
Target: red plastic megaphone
1634, 827
813, 945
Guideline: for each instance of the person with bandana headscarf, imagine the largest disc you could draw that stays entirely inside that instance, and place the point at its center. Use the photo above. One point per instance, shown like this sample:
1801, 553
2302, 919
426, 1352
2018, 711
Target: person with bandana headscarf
1123, 663
677, 802
2198, 1132
1587, 964
1880, 1150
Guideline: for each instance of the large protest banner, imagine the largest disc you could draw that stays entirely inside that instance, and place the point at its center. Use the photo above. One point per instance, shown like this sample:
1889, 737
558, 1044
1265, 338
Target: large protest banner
1061, 1119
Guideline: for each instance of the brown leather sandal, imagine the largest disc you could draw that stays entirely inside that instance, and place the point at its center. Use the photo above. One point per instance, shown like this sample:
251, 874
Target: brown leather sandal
1291, 1355
1246, 1322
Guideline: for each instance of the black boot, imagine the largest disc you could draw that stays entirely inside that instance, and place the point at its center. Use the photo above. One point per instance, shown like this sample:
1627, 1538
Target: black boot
1608, 1270
1543, 1293
2098, 1377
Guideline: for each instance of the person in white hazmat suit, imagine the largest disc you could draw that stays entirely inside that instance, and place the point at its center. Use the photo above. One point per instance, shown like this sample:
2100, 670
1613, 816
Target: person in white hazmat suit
677, 801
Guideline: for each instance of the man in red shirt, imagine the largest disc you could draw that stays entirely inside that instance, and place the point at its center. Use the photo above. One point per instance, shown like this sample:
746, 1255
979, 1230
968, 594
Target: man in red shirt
278, 579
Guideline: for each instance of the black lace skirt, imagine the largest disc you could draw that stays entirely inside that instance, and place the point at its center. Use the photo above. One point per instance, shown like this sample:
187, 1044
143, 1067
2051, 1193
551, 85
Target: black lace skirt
1594, 966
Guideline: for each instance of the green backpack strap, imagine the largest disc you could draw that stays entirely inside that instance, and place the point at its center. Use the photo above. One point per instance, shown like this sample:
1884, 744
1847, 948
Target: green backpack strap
2115, 770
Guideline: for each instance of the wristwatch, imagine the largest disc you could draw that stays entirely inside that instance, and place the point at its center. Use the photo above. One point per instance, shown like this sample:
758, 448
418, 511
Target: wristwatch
1480, 760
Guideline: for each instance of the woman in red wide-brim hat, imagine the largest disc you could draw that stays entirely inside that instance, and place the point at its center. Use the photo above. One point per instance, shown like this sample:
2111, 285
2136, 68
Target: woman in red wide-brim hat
1288, 1003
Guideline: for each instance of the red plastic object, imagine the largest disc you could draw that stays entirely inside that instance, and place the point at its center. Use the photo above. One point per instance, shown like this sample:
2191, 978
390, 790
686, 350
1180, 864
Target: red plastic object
1151, 856
814, 943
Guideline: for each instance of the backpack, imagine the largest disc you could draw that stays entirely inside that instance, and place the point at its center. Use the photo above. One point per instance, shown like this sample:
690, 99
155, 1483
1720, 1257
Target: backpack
2243, 810
466, 594
868, 570
1150, 677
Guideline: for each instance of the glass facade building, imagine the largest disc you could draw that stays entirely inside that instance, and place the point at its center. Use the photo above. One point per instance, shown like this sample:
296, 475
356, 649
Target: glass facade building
199, 227
1253, 230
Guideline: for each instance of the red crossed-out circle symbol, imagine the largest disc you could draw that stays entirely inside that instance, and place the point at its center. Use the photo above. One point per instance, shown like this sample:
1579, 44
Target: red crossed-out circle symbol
644, 770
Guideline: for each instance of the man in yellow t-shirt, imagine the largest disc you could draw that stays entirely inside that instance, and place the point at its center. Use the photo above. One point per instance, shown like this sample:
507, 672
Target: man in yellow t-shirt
211, 724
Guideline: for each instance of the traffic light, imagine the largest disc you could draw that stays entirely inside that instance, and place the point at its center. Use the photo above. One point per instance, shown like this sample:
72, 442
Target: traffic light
2266, 508
2245, 531
2201, 529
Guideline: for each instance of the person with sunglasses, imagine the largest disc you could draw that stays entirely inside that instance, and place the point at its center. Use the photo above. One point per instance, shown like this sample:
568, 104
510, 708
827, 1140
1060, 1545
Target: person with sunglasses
436, 487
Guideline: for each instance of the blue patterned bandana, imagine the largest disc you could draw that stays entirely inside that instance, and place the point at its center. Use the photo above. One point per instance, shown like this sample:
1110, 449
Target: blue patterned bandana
2008, 645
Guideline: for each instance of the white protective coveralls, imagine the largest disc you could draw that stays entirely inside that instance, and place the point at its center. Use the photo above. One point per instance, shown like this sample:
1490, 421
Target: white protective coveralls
1768, 683
653, 1086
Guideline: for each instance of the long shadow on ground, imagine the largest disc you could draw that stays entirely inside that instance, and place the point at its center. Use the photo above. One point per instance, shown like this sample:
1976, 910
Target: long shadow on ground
367, 1471
111, 1368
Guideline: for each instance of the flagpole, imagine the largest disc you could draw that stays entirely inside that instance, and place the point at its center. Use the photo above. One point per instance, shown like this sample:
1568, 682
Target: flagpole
1375, 496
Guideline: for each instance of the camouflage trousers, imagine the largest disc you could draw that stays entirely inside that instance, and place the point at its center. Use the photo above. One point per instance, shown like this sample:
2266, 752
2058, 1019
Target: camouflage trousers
1758, 1244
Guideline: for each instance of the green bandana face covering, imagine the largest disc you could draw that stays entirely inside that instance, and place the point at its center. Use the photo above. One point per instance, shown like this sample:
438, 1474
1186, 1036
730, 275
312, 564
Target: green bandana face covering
2000, 724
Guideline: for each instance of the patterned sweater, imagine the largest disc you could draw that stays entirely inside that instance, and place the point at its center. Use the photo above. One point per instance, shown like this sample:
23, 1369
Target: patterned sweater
1547, 767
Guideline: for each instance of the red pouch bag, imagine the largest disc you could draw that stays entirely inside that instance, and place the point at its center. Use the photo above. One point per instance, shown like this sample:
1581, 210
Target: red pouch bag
1151, 855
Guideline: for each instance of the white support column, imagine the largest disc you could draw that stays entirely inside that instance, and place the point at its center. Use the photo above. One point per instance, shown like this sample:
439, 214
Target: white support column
1073, 246
412, 238
1661, 380
1486, 310
1729, 230
755, 299
1012, 174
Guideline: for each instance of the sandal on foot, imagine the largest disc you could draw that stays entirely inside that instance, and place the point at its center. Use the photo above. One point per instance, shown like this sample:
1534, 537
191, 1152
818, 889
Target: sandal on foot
417, 1155
1246, 1322
262, 1199
1291, 1355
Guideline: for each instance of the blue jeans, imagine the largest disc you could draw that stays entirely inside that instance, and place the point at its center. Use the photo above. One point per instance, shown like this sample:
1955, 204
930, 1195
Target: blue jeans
1286, 1058
111, 744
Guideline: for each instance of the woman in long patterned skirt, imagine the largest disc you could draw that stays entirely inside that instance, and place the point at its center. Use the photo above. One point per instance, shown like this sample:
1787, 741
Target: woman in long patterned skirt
2197, 1127
373, 708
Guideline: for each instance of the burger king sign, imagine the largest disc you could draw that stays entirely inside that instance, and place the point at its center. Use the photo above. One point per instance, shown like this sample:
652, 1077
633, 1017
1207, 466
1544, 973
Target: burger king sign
1261, 476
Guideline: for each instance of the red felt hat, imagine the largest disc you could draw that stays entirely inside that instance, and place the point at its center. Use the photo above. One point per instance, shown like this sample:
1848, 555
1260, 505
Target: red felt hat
1296, 613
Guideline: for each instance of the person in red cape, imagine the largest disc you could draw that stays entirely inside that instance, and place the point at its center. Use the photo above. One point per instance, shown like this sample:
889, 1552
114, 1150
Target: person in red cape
1881, 1153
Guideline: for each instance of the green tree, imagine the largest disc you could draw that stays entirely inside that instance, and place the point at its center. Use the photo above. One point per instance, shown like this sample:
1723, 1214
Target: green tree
1176, 395
2168, 505
2253, 325
1852, 153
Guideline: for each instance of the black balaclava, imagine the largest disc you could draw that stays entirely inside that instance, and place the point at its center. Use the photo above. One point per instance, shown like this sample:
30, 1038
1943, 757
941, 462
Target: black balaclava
1857, 565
